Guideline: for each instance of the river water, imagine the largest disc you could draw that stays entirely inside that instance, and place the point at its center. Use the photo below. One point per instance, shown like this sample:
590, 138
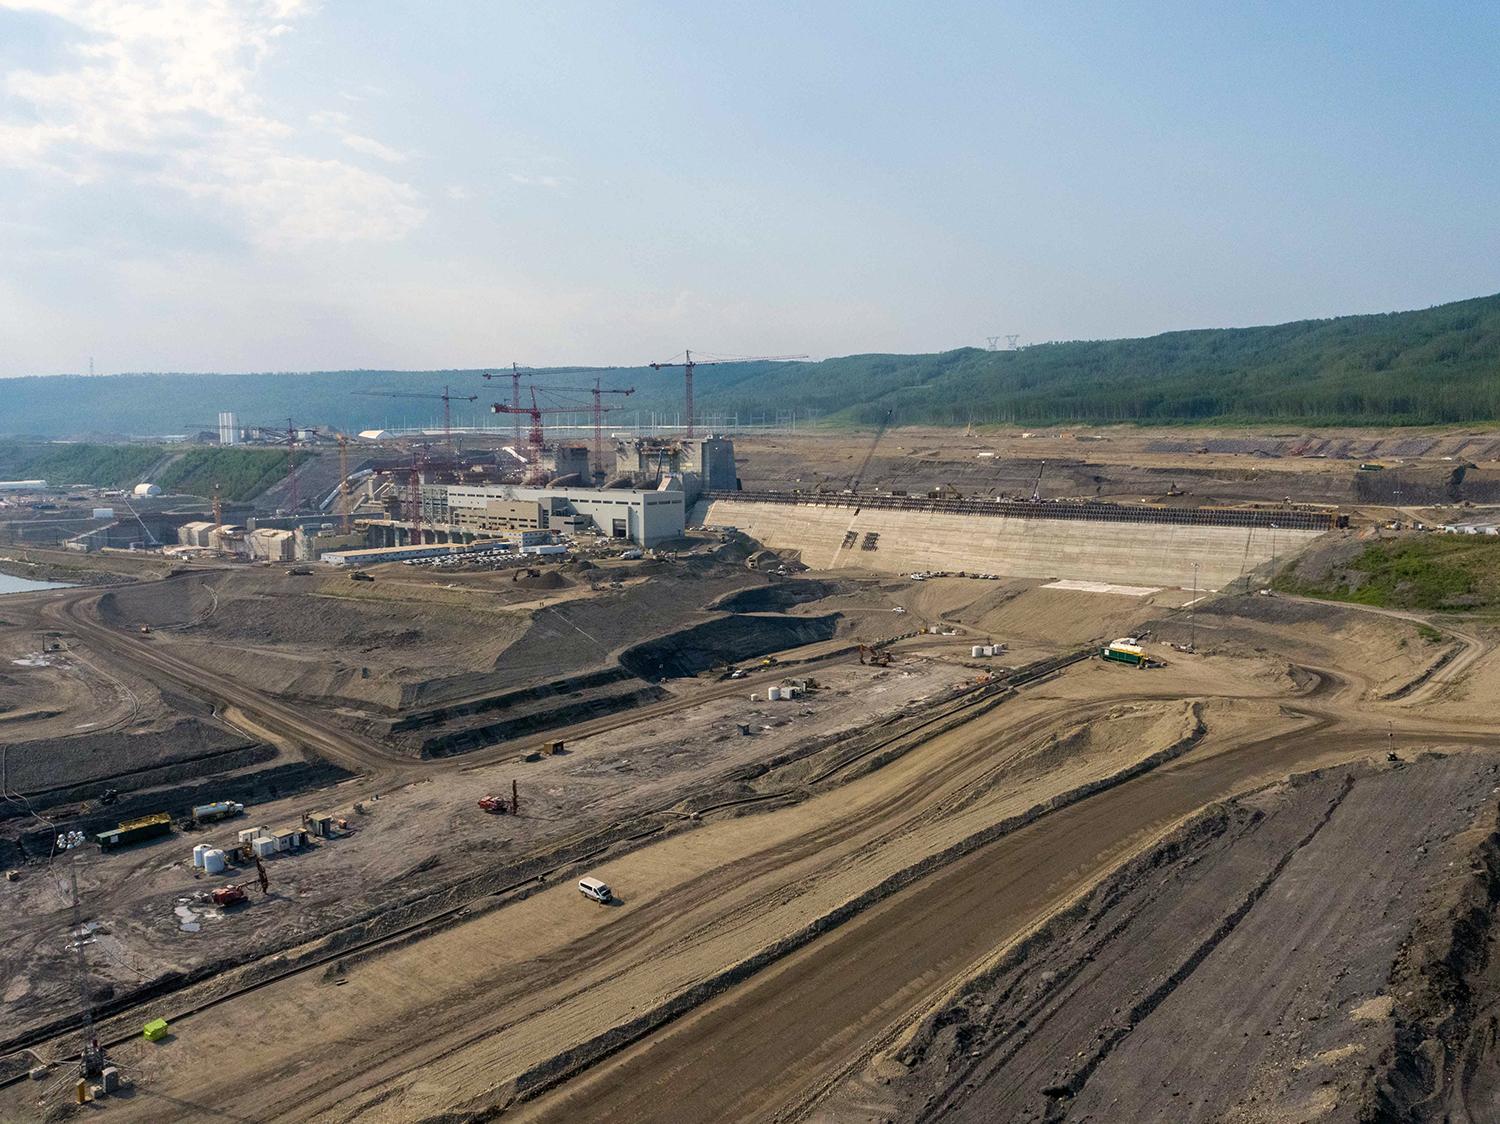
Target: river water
9, 584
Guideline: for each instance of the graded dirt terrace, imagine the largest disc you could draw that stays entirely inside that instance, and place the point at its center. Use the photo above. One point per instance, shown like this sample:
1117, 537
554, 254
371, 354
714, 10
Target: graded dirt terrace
1189, 467
507, 998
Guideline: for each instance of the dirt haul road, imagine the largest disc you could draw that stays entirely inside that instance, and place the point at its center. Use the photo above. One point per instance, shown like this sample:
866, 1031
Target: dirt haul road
771, 1047
344, 749
501, 996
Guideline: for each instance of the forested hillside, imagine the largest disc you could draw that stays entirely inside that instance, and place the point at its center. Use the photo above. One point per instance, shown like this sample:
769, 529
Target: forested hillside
241, 474
1438, 365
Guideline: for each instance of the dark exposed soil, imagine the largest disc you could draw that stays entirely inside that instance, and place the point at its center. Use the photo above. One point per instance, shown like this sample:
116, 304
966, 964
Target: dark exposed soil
726, 640
1237, 972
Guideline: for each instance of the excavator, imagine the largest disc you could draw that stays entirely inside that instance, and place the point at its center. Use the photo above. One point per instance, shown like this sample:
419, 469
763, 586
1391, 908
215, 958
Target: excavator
874, 657
235, 894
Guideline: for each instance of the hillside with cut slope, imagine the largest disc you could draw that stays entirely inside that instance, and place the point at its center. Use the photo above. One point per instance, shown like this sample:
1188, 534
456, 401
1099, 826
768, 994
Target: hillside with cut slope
1429, 367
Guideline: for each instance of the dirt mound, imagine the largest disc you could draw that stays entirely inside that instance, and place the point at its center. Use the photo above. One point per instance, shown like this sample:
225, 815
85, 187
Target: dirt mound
37, 766
728, 640
778, 597
547, 579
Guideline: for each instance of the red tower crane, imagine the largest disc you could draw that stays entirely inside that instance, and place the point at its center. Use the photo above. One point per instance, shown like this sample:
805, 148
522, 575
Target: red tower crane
689, 364
413, 502
515, 397
536, 437
598, 391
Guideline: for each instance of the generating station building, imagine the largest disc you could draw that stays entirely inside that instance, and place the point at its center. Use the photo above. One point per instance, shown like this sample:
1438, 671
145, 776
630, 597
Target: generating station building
644, 502
644, 518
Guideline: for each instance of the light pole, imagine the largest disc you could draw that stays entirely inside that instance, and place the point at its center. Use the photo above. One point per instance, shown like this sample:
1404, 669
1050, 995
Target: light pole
1193, 616
91, 1057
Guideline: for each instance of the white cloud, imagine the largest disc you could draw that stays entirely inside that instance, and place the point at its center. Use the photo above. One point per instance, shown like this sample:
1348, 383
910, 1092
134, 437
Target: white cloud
526, 180
162, 92
372, 147
338, 124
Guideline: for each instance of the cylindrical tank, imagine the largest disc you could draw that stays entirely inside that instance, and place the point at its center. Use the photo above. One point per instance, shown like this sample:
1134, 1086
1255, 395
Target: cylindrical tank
198, 853
773, 694
213, 861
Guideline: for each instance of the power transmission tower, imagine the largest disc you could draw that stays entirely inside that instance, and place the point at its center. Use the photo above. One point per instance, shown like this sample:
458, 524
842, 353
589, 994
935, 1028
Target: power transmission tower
994, 342
1011, 341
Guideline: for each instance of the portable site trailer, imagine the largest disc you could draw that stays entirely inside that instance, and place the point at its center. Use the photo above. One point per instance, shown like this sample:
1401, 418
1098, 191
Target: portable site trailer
318, 823
132, 831
290, 839
1125, 650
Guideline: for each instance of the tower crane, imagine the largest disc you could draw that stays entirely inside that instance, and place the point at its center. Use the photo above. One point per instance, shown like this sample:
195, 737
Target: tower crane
689, 365
292, 436
515, 399
343, 440
536, 437
515, 373
598, 391
447, 396
294, 485
1036, 489
854, 481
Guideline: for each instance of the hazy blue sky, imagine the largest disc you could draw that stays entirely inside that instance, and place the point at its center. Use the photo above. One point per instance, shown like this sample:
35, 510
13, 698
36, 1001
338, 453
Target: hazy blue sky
282, 184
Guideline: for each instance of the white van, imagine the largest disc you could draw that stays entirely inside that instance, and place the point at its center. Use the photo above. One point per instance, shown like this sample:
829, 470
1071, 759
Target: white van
595, 890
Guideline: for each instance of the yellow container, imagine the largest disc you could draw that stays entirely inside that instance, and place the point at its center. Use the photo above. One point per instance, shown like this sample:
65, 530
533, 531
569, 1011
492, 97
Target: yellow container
156, 1029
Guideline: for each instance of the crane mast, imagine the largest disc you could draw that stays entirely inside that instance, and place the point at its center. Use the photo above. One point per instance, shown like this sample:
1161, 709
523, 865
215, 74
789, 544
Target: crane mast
448, 398
598, 392
689, 365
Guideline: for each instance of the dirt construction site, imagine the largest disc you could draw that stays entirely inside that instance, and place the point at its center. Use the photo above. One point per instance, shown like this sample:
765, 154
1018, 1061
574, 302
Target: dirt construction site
889, 834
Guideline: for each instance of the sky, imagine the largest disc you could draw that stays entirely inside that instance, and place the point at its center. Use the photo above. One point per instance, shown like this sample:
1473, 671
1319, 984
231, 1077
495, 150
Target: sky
208, 185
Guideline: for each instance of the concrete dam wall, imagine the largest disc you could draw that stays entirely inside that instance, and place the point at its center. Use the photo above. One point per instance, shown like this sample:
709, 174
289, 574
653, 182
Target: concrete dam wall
900, 541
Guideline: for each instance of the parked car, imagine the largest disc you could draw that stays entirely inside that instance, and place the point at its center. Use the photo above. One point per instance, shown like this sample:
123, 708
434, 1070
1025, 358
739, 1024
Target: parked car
595, 890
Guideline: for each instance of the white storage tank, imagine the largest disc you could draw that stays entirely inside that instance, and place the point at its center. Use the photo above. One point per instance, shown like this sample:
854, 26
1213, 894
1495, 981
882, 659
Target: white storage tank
976, 651
213, 861
773, 693
198, 853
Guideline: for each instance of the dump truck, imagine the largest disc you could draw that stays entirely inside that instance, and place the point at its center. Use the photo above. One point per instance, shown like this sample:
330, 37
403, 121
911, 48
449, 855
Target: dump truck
133, 831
